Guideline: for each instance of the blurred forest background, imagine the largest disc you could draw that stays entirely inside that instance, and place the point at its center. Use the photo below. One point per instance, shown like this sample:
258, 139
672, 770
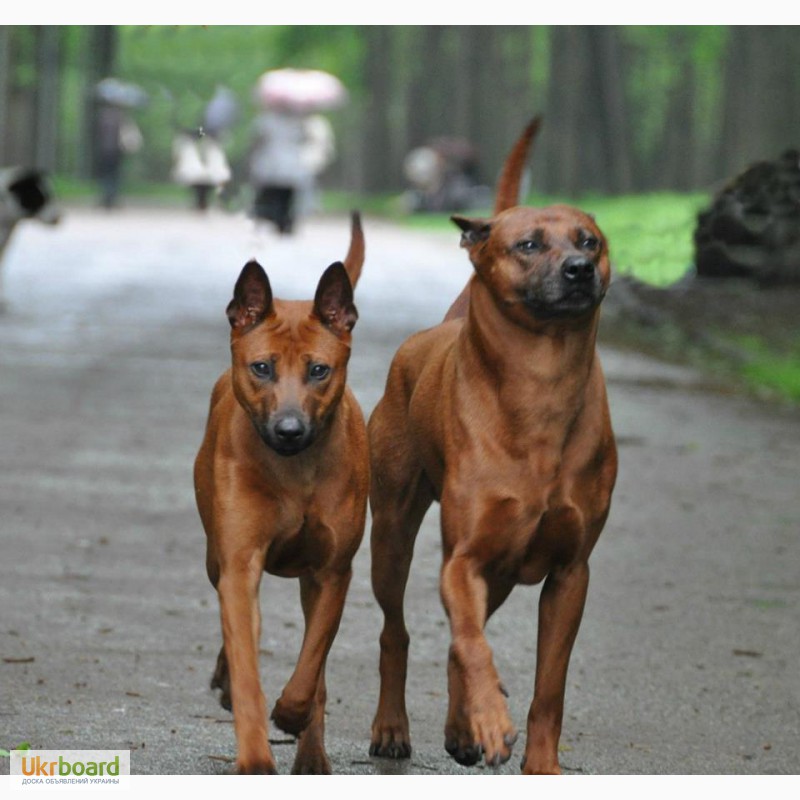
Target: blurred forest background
627, 109
644, 126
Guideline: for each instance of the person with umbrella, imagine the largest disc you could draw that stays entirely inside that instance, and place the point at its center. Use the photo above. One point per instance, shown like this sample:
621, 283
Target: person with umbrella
199, 160
116, 134
292, 142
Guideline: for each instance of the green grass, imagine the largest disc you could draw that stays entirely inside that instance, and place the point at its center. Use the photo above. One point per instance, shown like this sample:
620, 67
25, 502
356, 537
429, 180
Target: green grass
765, 369
650, 236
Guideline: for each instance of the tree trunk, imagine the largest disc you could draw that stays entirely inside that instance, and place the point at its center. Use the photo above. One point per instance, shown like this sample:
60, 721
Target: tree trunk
615, 119
5, 94
678, 134
762, 93
377, 136
570, 133
47, 97
100, 56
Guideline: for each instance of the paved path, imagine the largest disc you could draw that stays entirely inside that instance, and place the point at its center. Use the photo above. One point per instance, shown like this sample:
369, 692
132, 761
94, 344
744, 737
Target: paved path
687, 660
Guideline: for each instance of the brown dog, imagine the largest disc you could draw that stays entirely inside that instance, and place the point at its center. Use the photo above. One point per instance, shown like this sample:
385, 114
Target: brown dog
500, 414
281, 480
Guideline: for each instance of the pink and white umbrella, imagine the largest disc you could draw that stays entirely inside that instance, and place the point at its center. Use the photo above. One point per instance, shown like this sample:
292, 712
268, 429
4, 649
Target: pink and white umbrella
300, 90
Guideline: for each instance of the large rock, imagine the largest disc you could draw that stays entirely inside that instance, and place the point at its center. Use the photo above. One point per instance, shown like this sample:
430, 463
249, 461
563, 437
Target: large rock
752, 228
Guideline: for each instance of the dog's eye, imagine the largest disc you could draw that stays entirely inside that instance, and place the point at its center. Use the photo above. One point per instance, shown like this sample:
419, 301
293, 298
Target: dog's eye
318, 372
262, 369
529, 245
588, 243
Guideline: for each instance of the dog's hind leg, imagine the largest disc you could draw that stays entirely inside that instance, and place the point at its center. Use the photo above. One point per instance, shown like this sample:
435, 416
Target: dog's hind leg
399, 497
221, 679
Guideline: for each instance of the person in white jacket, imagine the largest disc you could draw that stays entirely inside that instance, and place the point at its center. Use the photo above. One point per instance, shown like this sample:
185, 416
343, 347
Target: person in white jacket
199, 160
289, 151
199, 163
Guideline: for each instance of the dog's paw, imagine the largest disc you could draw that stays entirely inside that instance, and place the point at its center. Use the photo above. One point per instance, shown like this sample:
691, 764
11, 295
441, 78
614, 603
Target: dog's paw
312, 763
482, 738
537, 764
466, 754
292, 716
390, 741
255, 767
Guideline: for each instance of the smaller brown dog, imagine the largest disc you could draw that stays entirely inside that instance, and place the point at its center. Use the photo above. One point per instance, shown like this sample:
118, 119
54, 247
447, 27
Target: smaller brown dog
500, 415
281, 481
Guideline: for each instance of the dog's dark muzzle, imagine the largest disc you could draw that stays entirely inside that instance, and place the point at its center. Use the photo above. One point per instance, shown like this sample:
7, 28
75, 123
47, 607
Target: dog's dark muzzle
571, 289
287, 434
578, 271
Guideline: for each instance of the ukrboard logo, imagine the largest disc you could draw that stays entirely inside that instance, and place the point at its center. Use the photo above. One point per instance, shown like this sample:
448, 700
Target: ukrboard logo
71, 768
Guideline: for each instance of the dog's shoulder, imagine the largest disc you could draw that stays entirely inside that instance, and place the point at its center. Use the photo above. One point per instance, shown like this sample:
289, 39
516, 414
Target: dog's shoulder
222, 387
426, 347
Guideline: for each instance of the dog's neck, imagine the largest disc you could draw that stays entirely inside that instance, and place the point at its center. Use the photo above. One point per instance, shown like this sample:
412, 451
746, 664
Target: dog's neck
529, 365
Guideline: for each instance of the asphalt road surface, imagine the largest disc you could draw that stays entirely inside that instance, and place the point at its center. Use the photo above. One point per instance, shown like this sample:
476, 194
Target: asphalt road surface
687, 659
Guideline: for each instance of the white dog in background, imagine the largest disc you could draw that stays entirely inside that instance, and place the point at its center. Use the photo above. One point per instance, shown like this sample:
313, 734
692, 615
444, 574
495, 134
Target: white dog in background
24, 194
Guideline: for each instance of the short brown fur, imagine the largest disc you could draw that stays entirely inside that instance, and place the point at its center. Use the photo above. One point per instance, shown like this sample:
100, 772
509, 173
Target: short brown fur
281, 481
500, 415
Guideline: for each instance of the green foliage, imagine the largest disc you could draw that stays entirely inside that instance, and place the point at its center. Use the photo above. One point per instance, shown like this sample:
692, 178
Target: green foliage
181, 65
650, 236
778, 373
664, 60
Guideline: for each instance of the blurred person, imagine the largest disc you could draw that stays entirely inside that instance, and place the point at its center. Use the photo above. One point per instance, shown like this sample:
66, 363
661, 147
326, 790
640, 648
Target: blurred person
320, 151
277, 168
117, 135
290, 149
443, 175
221, 113
200, 163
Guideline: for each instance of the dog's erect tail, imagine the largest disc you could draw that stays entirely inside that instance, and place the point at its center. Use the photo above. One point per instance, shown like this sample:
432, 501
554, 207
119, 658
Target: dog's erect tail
511, 177
354, 259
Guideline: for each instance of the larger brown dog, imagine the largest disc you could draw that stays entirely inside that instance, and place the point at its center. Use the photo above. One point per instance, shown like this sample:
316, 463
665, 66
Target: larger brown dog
281, 480
500, 414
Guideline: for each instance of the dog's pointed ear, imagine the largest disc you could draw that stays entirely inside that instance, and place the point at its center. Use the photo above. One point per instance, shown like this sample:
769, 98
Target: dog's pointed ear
333, 302
473, 231
252, 298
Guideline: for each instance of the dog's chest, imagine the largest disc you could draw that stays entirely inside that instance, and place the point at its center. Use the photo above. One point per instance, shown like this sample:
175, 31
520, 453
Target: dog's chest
555, 541
306, 546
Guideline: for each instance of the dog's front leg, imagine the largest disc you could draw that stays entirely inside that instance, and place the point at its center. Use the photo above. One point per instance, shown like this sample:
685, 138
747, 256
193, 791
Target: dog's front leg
238, 585
477, 721
311, 758
560, 610
323, 602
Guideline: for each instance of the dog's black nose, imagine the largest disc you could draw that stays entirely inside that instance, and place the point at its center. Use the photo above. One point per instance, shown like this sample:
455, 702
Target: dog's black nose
577, 269
289, 429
